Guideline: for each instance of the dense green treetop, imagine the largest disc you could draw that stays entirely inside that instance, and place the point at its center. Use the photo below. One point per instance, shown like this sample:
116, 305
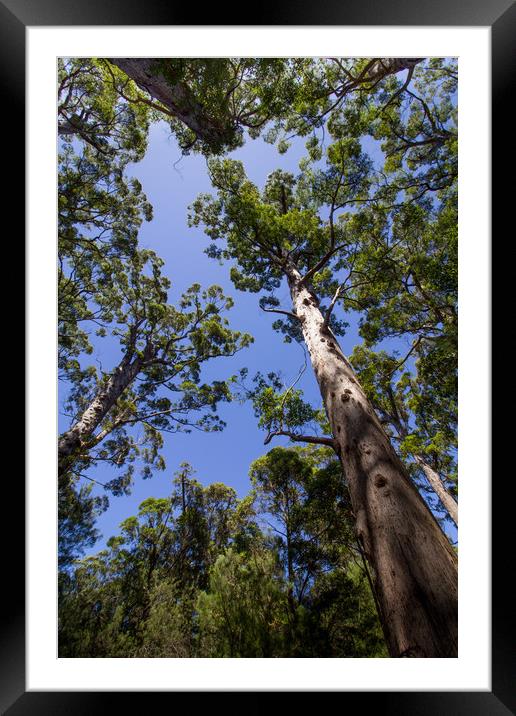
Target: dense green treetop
193, 575
210, 103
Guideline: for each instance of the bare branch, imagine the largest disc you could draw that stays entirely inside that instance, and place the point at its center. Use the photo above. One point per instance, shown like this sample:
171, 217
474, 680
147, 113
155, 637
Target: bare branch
329, 442
279, 310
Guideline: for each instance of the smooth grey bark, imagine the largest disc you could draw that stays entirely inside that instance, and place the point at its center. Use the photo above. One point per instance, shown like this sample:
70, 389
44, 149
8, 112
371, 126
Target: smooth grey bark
440, 490
414, 567
80, 434
176, 97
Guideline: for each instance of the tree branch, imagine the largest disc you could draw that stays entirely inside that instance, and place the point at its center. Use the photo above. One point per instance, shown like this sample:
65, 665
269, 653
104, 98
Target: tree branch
279, 310
320, 264
402, 89
329, 442
331, 307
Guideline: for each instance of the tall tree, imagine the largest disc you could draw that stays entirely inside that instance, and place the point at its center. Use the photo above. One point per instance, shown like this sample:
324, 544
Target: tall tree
279, 235
423, 427
161, 345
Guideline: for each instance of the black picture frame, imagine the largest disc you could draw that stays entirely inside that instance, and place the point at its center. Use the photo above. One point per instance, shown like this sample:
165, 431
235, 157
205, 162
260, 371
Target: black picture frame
500, 15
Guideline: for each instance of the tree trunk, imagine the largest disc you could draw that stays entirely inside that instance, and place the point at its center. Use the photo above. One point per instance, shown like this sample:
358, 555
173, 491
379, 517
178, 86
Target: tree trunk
414, 567
176, 97
388, 66
75, 439
440, 490
290, 576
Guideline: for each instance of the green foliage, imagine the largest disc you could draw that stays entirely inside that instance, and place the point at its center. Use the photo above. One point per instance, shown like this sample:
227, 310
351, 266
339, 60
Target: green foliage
243, 612
193, 575
93, 109
342, 620
171, 627
277, 573
282, 409
227, 97
170, 344
281, 227
78, 510
419, 416
99, 214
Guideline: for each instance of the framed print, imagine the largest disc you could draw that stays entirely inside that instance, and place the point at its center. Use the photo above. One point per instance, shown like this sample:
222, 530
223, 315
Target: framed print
34, 679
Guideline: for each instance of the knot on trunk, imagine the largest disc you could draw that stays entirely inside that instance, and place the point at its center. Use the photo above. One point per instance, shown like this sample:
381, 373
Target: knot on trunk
380, 480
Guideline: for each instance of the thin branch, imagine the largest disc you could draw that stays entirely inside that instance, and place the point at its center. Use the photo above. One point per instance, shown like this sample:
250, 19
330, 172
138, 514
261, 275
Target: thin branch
401, 362
320, 264
402, 89
302, 370
81, 474
329, 442
278, 310
331, 307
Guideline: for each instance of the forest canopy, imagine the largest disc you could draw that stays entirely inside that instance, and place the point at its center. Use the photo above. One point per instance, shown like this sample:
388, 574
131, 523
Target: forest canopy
324, 204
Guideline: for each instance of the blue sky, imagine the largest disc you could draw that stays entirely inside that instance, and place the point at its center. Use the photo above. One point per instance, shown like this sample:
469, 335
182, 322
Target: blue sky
171, 183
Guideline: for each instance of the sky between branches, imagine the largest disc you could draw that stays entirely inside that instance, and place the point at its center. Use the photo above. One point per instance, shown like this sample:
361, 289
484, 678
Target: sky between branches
171, 183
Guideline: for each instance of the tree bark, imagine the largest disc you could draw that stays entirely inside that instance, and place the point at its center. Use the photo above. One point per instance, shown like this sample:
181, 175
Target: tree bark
414, 567
77, 437
176, 97
440, 490
389, 66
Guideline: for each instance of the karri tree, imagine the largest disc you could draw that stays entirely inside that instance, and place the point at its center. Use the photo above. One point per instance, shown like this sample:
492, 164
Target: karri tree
163, 347
279, 237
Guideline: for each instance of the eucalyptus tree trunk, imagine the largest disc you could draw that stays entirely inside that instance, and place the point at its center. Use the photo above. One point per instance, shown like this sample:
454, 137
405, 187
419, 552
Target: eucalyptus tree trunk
414, 567
176, 97
79, 436
440, 490
179, 101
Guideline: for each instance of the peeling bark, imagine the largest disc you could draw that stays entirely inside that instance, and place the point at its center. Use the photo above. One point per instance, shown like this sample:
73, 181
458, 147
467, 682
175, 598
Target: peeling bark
440, 490
414, 567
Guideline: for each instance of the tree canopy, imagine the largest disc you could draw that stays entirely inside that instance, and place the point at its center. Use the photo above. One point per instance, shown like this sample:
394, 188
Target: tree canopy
341, 546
